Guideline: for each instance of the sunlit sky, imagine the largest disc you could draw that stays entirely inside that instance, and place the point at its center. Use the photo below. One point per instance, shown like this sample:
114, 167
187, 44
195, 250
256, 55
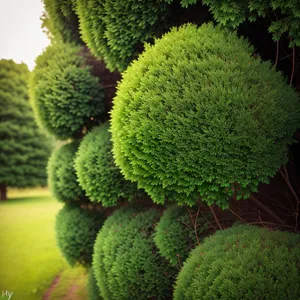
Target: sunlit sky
21, 36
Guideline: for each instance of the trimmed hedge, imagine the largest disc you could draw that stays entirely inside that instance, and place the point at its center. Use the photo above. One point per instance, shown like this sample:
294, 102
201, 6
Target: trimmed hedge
115, 31
175, 236
126, 262
76, 230
66, 98
97, 173
62, 177
197, 115
92, 288
242, 262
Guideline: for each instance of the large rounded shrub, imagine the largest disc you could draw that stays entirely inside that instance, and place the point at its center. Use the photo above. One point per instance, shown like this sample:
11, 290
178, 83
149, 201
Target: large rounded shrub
197, 116
242, 262
62, 177
175, 235
115, 31
97, 173
76, 230
66, 98
126, 262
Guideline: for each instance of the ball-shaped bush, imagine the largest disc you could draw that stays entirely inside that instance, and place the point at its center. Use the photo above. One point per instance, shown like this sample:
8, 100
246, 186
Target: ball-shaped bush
62, 177
92, 288
66, 97
198, 116
97, 173
242, 262
115, 31
126, 262
76, 230
175, 235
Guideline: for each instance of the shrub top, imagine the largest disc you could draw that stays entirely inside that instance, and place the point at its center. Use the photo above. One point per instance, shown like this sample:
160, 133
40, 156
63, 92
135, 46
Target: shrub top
62, 177
65, 96
116, 31
76, 230
126, 262
197, 116
242, 262
97, 173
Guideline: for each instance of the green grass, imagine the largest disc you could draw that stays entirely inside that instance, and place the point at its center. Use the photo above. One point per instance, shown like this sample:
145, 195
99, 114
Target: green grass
29, 257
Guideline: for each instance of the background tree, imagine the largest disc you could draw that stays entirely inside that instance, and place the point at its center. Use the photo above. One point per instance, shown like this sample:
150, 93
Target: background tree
24, 150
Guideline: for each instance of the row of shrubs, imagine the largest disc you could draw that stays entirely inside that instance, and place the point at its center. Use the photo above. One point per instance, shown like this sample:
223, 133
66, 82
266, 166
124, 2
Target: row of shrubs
196, 118
134, 257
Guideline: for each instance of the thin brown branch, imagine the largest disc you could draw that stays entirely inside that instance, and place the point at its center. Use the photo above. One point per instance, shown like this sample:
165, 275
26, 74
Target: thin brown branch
286, 178
215, 217
194, 225
267, 210
243, 220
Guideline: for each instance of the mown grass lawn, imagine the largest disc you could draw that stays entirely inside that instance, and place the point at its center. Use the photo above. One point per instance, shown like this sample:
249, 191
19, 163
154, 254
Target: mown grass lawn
29, 257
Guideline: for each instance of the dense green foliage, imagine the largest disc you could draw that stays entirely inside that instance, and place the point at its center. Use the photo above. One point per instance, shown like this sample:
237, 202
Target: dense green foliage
284, 15
65, 96
61, 21
125, 260
76, 231
242, 262
92, 288
197, 115
24, 150
115, 30
97, 173
175, 236
62, 175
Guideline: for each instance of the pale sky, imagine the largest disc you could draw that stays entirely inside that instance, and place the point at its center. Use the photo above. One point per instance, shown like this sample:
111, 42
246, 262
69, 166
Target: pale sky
21, 36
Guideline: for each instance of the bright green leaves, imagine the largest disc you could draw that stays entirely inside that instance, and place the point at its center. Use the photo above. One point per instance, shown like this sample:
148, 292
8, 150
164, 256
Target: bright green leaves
67, 99
242, 262
197, 117
97, 173
116, 30
126, 262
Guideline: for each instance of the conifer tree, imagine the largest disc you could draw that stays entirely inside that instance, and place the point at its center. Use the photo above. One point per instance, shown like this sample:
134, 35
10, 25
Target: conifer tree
24, 150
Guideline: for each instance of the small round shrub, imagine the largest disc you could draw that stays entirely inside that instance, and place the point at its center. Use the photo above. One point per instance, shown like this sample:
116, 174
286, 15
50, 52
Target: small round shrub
62, 177
92, 288
115, 31
197, 116
242, 262
126, 262
66, 98
97, 173
76, 230
175, 236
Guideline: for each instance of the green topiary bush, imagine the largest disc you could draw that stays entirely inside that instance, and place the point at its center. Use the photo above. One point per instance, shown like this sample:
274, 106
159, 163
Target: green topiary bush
61, 21
175, 236
126, 262
115, 31
76, 230
62, 177
242, 262
97, 173
197, 116
92, 288
66, 98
